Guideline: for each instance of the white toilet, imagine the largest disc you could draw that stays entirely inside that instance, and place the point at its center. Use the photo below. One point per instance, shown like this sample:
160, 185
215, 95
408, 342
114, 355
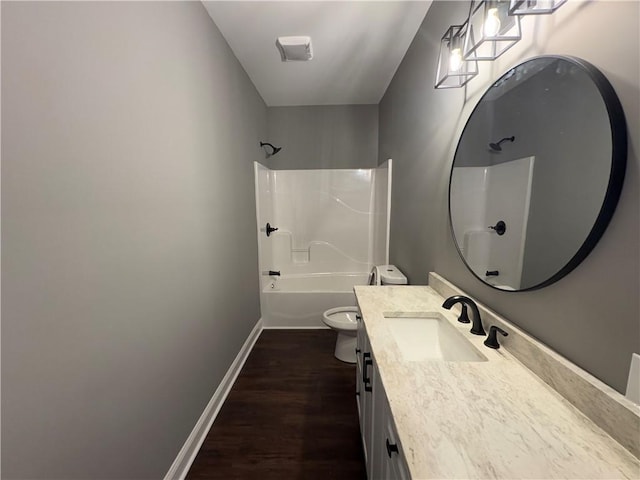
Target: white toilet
387, 275
345, 319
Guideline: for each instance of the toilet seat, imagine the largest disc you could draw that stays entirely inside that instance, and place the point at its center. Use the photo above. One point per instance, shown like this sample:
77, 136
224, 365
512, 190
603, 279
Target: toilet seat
341, 318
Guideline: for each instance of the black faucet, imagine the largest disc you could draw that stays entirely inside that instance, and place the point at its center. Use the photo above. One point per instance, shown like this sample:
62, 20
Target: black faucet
476, 329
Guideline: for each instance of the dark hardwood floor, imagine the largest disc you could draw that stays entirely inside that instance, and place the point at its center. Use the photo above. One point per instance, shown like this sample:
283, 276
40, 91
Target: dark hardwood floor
290, 415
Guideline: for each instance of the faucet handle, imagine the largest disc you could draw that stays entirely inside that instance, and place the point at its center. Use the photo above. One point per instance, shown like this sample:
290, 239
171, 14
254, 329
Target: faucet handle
492, 339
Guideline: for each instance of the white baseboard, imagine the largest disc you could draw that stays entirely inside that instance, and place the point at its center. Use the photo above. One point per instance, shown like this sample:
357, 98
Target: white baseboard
191, 447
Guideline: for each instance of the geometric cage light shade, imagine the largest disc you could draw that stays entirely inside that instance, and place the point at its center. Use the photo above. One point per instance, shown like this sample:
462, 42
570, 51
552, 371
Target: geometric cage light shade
453, 69
491, 30
534, 7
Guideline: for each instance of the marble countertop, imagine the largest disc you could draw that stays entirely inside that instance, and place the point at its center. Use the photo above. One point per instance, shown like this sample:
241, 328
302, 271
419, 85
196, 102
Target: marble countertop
493, 419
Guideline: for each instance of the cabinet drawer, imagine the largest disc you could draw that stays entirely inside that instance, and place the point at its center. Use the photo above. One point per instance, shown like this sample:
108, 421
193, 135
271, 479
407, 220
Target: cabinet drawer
396, 467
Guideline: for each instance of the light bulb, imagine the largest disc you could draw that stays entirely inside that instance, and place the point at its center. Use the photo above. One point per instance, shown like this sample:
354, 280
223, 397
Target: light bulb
492, 23
455, 60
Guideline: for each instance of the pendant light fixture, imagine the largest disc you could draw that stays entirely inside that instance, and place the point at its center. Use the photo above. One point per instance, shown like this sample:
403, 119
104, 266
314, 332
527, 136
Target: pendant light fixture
492, 27
534, 7
491, 31
453, 69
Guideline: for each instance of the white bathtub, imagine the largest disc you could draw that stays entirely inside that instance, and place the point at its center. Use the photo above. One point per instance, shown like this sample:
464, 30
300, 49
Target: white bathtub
298, 301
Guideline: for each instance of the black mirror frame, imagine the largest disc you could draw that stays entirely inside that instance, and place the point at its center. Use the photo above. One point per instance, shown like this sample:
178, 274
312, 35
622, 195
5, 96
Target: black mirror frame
619, 154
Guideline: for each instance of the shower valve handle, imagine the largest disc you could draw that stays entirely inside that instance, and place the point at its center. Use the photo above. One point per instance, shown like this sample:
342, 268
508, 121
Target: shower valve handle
499, 227
270, 229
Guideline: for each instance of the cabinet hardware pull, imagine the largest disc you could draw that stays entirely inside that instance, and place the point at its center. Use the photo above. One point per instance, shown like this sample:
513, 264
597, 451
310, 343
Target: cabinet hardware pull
365, 358
365, 371
391, 448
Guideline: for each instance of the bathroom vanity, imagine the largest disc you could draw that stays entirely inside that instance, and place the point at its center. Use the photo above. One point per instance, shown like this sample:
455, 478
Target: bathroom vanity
463, 410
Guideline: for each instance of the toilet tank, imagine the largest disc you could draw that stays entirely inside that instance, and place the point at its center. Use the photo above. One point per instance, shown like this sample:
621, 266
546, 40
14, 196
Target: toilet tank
387, 275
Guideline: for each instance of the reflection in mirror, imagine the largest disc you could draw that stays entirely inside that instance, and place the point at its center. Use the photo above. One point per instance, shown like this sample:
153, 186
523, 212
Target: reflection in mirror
543, 152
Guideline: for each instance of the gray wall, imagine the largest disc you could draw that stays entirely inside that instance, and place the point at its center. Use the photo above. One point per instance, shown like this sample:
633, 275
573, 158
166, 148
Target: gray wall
340, 136
129, 253
592, 315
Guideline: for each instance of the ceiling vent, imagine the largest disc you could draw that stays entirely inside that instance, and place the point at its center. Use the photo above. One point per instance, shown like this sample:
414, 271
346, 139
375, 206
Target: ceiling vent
295, 49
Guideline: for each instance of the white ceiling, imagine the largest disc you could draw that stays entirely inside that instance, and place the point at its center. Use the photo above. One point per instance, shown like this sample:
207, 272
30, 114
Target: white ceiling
357, 46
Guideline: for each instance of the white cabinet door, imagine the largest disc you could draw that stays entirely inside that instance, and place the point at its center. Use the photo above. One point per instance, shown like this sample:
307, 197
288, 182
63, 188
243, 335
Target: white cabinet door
387, 462
383, 456
364, 389
394, 465
378, 462
361, 345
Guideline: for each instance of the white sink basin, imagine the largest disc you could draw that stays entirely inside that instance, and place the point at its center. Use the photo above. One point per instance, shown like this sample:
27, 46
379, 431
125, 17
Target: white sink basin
429, 336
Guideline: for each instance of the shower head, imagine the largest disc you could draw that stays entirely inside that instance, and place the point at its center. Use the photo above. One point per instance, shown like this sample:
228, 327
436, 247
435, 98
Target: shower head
496, 146
271, 151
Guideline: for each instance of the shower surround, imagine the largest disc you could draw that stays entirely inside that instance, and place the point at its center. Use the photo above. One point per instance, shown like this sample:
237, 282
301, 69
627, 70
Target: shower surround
333, 226
482, 196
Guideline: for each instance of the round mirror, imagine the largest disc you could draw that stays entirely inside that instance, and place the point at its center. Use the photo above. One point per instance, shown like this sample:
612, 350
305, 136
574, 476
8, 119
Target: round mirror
537, 173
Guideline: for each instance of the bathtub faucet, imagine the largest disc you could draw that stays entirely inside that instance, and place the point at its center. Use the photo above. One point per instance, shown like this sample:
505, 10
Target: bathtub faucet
272, 273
